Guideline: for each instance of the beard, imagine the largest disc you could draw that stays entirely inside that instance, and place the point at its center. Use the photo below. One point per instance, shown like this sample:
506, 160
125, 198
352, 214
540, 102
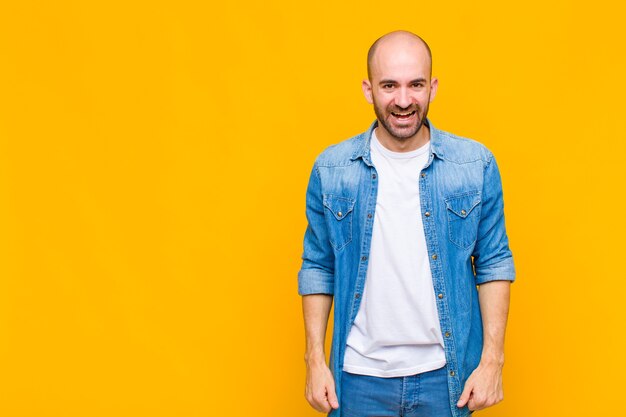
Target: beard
385, 118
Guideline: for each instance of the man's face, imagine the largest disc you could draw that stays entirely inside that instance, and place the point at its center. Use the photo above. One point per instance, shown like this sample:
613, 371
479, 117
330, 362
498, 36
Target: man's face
400, 88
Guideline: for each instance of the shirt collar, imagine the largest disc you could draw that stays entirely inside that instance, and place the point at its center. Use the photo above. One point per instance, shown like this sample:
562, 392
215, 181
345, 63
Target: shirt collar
363, 149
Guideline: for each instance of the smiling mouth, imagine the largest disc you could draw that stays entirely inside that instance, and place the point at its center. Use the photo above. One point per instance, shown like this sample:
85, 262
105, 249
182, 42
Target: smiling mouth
403, 116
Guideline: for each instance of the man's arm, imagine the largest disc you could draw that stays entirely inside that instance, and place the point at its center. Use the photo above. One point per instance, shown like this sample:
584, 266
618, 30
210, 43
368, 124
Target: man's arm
494, 269
316, 286
320, 386
484, 386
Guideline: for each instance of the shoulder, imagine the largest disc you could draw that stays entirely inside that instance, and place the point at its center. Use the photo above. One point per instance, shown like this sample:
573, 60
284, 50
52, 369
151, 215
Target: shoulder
462, 150
341, 153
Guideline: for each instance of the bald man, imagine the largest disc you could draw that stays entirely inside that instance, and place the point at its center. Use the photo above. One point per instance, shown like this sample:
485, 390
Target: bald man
406, 234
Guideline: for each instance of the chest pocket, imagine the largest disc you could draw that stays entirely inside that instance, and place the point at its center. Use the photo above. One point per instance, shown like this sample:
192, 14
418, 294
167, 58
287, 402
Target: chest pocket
339, 213
463, 211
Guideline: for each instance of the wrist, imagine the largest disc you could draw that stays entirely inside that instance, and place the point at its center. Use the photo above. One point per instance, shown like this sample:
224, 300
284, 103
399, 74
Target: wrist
314, 358
492, 359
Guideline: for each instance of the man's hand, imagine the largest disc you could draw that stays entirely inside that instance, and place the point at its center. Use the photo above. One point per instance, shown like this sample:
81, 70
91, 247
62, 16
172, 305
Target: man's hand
320, 387
483, 387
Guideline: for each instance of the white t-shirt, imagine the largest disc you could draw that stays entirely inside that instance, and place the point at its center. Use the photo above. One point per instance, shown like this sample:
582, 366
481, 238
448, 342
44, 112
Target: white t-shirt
396, 331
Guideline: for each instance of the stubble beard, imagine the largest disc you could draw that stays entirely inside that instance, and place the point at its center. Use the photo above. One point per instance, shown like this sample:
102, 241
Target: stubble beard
401, 134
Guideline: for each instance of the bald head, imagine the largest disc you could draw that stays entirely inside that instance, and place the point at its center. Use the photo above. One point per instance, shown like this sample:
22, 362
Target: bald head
392, 42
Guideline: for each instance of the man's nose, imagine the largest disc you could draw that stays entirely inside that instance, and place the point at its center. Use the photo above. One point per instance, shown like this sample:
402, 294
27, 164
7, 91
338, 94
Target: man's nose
403, 98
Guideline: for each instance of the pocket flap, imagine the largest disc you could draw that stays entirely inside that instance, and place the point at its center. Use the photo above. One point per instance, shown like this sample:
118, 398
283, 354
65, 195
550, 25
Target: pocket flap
339, 206
463, 204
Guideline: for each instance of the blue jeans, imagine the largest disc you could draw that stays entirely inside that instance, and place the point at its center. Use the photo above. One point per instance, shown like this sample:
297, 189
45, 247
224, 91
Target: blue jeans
421, 395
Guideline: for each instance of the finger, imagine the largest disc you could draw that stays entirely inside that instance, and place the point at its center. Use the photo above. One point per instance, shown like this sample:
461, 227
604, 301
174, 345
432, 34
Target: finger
332, 397
317, 399
471, 404
480, 401
321, 404
476, 403
465, 395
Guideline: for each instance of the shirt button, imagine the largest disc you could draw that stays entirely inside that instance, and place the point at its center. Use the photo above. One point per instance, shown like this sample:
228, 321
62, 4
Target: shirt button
463, 212
364, 258
340, 214
369, 215
440, 295
427, 214
373, 176
435, 256
451, 373
447, 334
423, 175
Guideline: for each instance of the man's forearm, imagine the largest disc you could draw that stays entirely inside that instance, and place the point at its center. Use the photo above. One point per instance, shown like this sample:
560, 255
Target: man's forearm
320, 386
494, 298
483, 388
316, 309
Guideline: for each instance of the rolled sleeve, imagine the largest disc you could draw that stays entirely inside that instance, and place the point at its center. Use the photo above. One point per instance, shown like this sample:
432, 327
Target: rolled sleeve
316, 276
311, 281
493, 259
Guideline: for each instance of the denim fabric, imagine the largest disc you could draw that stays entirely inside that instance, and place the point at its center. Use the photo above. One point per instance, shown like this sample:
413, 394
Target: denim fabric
421, 395
463, 216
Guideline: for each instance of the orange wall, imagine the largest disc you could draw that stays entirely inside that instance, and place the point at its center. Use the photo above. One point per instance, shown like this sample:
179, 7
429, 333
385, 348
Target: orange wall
153, 165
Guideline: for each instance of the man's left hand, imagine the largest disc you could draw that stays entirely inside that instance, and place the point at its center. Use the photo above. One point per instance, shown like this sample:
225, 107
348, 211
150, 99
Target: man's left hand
483, 387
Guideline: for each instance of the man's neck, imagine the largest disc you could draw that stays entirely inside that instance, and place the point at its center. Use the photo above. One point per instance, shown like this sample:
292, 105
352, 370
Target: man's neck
403, 145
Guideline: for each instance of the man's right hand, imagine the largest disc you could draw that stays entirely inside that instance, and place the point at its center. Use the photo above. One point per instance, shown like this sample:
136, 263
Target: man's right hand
320, 387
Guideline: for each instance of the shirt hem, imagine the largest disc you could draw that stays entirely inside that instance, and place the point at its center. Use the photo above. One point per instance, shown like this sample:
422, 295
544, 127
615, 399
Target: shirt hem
431, 366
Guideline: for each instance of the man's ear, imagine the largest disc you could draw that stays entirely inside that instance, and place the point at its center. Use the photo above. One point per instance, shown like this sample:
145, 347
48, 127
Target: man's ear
367, 91
434, 83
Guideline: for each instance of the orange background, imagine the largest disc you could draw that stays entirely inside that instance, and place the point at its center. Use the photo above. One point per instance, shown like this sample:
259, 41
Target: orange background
153, 165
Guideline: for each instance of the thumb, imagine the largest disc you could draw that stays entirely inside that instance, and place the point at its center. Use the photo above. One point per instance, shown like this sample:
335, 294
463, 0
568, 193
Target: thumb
465, 396
332, 397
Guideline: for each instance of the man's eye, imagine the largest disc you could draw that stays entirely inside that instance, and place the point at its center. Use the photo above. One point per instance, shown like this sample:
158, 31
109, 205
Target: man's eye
387, 85
418, 85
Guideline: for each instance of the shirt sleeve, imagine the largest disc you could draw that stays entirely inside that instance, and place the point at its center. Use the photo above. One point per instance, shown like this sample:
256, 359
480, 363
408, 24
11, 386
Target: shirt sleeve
493, 259
316, 276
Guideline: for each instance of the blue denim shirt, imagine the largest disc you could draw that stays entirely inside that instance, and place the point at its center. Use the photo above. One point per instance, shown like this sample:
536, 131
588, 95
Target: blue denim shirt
463, 216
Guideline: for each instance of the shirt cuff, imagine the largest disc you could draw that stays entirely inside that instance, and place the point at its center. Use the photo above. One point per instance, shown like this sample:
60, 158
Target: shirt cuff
315, 281
502, 271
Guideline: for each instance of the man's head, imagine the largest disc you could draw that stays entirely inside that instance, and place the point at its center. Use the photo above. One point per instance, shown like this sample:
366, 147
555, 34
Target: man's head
400, 85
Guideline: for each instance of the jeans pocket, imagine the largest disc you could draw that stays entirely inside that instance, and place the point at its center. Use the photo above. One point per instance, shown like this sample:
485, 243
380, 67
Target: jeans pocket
339, 219
463, 211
